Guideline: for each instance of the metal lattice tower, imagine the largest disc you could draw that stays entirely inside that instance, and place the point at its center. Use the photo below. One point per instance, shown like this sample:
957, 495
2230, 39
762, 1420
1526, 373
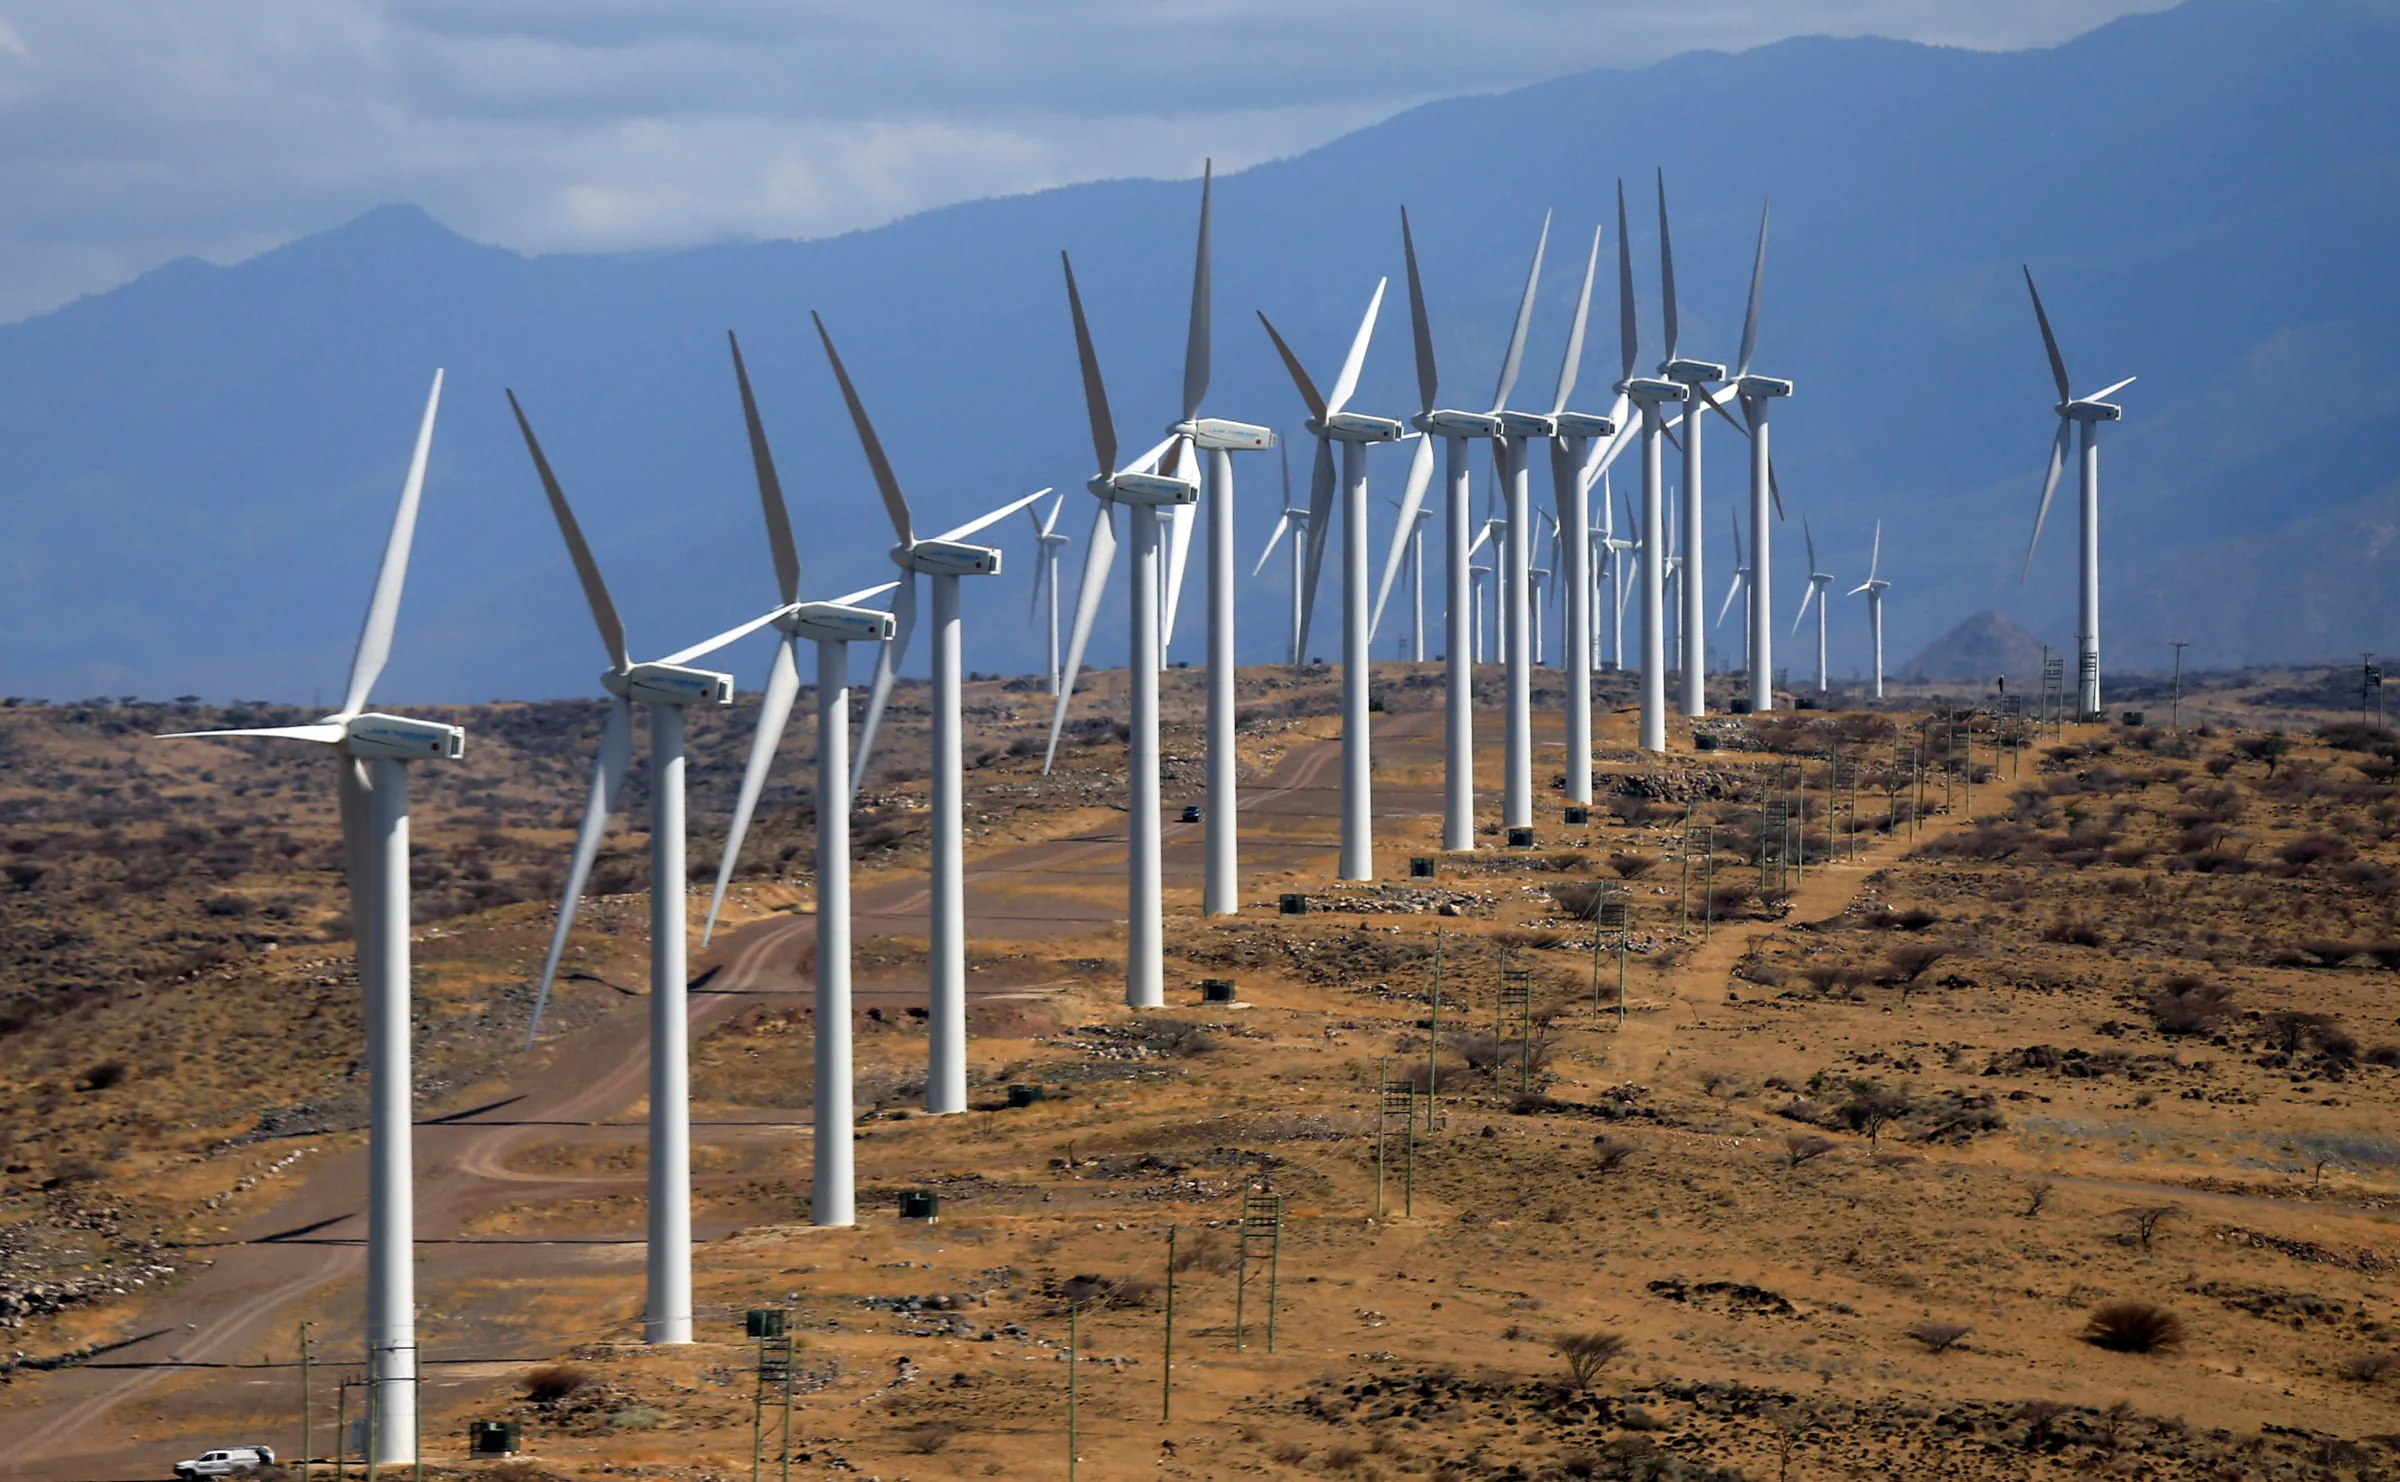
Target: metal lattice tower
1259, 1245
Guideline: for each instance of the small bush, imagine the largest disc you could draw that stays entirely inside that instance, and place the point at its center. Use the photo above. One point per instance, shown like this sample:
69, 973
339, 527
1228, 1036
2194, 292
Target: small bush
2185, 1005
551, 1383
1588, 1353
1939, 1337
1287, 1453
1913, 961
2366, 1368
1799, 1147
928, 1437
2325, 952
1632, 865
1610, 1153
103, 1075
1579, 901
638, 1418
2129, 1326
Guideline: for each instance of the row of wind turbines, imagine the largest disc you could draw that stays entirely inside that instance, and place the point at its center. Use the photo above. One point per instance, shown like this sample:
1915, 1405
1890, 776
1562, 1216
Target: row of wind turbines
1159, 491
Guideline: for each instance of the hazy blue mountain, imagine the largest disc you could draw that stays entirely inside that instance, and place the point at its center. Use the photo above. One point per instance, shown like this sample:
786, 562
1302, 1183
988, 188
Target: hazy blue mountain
201, 464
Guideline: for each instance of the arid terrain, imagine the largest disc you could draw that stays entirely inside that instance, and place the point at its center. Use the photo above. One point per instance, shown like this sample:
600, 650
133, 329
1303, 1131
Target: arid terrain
1956, 1100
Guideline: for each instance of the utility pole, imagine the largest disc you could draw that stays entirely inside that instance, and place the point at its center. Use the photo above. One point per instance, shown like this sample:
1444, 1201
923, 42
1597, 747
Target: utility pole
2175, 714
307, 1431
1166, 1377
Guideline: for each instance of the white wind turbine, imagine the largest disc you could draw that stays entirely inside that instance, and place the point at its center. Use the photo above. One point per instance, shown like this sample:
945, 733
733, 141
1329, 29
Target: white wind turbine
944, 558
1874, 590
1573, 438
1756, 395
1614, 550
2085, 413
1047, 544
1516, 562
1818, 581
664, 688
1741, 588
1695, 376
1145, 493
833, 626
1329, 423
1539, 584
372, 752
1293, 521
1652, 396
1412, 534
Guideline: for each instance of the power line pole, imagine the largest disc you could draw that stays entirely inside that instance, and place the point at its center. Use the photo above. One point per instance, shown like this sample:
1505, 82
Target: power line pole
2175, 714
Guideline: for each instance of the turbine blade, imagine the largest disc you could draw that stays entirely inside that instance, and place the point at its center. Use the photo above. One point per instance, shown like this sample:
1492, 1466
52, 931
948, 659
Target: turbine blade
991, 517
1179, 555
2058, 362
1320, 528
1095, 394
1775, 490
1347, 381
710, 645
1758, 275
608, 779
770, 488
2105, 392
1666, 264
383, 608
1049, 522
1708, 397
327, 732
1809, 536
1195, 342
1515, 358
1807, 597
1875, 556
2058, 461
895, 503
887, 671
1291, 362
355, 787
1730, 593
1097, 558
1573, 362
587, 570
1629, 337
1042, 562
774, 708
1412, 499
1283, 522
1429, 380
863, 594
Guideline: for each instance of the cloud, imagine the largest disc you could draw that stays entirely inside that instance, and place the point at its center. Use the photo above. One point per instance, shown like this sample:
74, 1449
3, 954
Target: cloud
134, 131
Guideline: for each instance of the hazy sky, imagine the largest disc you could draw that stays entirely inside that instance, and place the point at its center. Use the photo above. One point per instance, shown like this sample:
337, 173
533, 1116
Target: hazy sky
135, 131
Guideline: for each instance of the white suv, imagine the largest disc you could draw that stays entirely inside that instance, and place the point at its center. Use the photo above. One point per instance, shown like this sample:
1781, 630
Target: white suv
225, 1463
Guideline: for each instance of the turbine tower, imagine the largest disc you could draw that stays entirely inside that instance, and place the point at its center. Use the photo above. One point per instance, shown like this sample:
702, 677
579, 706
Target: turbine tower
1220, 890
1874, 590
1652, 395
1145, 487
1572, 438
1756, 395
2079, 418
1516, 560
1696, 376
1818, 581
944, 558
1293, 520
1047, 542
1741, 587
1329, 424
1411, 533
664, 688
372, 752
832, 626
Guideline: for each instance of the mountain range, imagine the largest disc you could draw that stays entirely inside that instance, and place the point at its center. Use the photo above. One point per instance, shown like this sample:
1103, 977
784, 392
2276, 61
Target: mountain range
202, 463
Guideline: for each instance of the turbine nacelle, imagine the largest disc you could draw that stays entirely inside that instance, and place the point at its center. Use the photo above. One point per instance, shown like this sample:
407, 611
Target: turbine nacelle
832, 621
1524, 424
2091, 411
670, 684
1690, 371
1456, 424
1582, 424
947, 558
1650, 391
1762, 386
373, 737
1359, 427
1215, 434
1145, 488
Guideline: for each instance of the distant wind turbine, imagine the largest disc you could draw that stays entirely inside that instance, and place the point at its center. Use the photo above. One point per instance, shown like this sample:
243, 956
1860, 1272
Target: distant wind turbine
1047, 544
1874, 590
1818, 581
2085, 413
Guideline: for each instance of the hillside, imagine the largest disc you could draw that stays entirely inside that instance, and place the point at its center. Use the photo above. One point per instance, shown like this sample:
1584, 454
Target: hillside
202, 461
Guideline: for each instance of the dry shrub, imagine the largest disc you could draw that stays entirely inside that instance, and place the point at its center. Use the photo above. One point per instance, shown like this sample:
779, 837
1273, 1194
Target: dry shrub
2366, 1368
1610, 1153
550, 1383
1588, 1353
2131, 1326
103, 1075
927, 1437
1913, 961
1827, 976
1287, 1453
1939, 1337
2184, 1005
1580, 901
2326, 952
1344, 1456
1632, 864
1799, 1147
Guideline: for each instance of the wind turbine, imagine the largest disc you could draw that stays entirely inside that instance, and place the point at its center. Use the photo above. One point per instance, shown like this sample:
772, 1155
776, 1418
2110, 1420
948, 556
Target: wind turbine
833, 626
1572, 438
1695, 376
1818, 581
1741, 587
1516, 561
1145, 493
1047, 543
1651, 395
664, 688
1330, 424
372, 752
1617, 549
1412, 534
1462, 600
1293, 520
1874, 590
944, 558
2078, 418
1756, 395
